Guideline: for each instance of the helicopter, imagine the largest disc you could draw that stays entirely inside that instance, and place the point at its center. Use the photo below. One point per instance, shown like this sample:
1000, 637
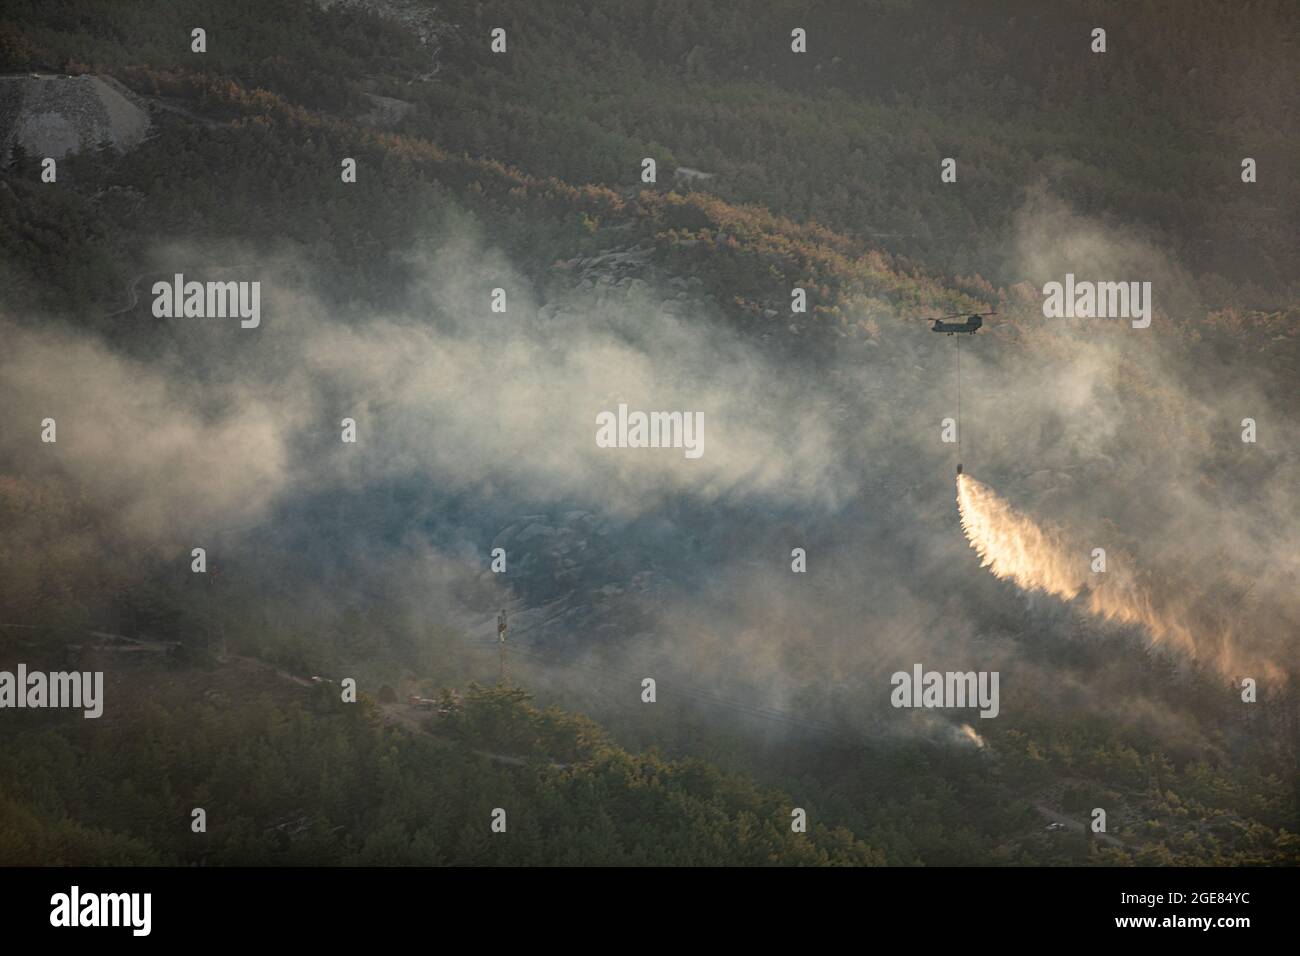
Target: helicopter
974, 322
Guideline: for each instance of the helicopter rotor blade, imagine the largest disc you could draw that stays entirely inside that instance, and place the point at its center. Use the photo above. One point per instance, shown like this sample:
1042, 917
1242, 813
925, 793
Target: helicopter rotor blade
955, 315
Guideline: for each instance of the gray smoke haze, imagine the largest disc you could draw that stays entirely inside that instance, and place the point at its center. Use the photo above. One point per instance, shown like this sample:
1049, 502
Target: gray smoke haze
144, 444
1105, 430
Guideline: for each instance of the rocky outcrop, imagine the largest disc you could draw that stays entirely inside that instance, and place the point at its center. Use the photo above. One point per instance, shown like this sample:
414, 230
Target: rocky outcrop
620, 275
572, 573
54, 115
417, 16
386, 112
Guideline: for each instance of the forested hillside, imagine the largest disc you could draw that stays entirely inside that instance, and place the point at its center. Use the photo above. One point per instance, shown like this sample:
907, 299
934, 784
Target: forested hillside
850, 135
288, 775
825, 177
292, 777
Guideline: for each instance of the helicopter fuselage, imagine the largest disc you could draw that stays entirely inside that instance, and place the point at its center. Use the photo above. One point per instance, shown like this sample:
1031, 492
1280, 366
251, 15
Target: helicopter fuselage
971, 325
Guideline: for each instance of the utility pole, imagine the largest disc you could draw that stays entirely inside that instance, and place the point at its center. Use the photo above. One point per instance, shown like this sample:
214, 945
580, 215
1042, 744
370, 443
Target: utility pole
213, 574
502, 627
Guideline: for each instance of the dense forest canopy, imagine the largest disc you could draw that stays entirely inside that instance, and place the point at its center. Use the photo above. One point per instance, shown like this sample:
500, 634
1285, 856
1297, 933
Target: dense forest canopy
850, 135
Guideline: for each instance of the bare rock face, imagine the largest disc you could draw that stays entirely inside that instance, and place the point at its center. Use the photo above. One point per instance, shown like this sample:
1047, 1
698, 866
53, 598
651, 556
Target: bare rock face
386, 112
418, 17
54, 115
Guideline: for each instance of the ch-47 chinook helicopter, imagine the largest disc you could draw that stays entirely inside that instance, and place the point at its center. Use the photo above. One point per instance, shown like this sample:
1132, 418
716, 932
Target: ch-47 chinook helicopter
974, 322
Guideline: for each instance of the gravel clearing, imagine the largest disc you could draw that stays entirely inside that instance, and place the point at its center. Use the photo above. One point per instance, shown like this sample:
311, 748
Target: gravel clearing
56, 115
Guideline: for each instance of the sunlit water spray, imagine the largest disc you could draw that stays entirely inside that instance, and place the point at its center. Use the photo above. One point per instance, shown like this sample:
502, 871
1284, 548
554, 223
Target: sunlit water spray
1039, 558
